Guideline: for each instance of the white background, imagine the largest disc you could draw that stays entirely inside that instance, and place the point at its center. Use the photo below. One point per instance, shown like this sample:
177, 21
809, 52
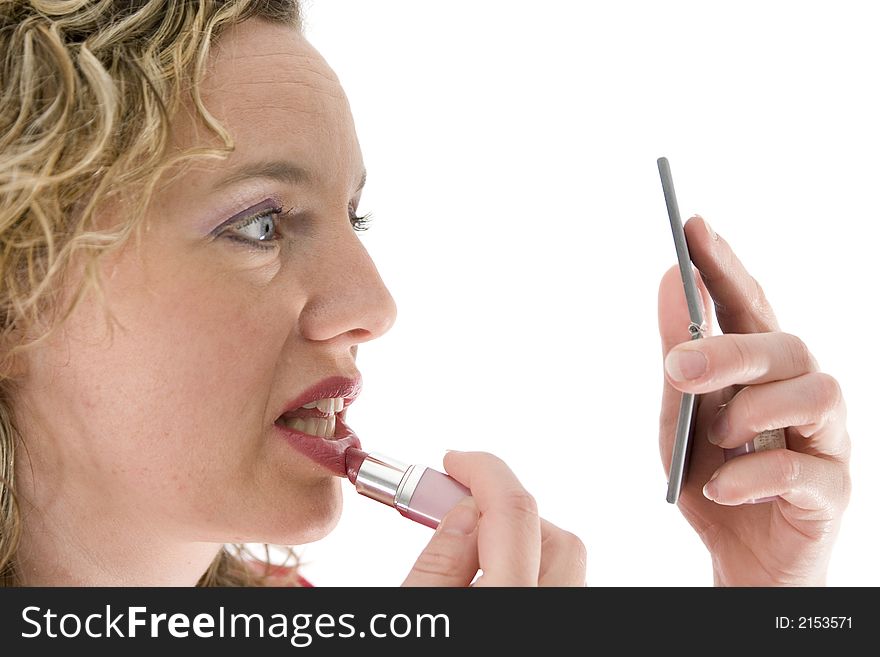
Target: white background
520, 225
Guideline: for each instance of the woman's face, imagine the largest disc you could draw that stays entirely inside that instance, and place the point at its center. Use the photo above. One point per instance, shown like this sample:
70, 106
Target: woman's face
171, 424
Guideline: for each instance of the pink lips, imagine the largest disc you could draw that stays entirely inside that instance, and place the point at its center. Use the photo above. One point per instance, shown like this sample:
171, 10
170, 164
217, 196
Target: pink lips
328, 453
334, 386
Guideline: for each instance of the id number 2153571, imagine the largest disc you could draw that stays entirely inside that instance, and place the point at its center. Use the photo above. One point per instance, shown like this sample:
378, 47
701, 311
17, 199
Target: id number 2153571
814, 622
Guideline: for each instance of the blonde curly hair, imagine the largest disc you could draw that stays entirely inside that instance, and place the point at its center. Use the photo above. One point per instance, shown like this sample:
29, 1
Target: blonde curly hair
87, 90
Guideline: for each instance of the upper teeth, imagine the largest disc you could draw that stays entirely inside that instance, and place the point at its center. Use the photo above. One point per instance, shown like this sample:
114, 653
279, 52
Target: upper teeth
331, 405
322, 427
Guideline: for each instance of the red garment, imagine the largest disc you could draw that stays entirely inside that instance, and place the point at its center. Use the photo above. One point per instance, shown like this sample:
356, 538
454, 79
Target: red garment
279, 575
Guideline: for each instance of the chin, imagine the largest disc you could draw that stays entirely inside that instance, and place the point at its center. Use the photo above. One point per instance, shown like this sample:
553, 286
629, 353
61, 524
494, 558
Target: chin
312, 514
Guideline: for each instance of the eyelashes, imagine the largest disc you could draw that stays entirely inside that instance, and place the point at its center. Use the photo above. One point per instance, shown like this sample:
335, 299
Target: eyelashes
267, 220
359, 223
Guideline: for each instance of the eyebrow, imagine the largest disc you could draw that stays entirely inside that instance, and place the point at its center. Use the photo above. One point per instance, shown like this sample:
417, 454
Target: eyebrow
283, 171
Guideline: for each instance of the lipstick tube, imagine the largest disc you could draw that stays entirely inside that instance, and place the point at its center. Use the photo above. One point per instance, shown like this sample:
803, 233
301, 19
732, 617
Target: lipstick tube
771, 439
418, 492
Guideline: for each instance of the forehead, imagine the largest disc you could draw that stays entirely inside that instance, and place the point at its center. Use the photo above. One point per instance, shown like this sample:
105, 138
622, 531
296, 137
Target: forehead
279, 99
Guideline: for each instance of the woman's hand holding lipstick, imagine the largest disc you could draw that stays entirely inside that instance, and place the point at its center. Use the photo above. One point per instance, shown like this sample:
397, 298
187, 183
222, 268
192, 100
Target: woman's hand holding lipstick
498, 531
752, 379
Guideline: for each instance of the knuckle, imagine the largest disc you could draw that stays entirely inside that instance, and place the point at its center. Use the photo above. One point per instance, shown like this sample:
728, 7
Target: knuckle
787, 465
563, 547
827, 394
521, 501
575, 547
758, 301
836, 490
740, 356
798, 353
759, 291
566, 543
744, 410
435, 561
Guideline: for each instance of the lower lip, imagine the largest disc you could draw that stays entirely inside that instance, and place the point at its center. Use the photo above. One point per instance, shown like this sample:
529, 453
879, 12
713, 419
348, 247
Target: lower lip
327, 453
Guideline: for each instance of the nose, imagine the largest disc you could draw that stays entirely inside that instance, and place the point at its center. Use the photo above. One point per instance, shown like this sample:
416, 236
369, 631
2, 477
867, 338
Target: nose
347, 299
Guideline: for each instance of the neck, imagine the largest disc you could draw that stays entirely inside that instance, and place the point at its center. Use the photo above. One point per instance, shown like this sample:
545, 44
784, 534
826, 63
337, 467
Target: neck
59, 548
83, 530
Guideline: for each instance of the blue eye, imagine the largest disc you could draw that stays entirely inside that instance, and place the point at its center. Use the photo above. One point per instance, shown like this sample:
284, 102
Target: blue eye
258, 231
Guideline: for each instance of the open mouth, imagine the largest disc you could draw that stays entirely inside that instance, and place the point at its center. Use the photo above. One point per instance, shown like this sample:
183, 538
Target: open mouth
317, 418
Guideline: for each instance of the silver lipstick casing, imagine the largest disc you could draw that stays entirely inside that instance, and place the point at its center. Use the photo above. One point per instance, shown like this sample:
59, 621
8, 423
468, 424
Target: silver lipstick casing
418, 492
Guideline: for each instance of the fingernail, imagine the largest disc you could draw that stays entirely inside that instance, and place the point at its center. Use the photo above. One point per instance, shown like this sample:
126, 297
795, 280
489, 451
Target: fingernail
719, 429
686, 364
462, 519
710, 490
712, 234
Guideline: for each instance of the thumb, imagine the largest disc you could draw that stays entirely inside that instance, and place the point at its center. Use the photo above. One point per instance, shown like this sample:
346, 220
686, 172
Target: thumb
673, 320
450, 558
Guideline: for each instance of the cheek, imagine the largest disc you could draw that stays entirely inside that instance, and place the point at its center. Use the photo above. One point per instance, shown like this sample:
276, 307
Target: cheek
204, 359
174, 406
198, 352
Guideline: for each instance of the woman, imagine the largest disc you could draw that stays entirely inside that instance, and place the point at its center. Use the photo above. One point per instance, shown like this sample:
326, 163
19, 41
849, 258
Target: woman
180, 186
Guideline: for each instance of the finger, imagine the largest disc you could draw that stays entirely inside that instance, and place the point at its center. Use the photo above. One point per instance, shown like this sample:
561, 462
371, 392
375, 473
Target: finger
509, 539
714, 363
740, 302
807, 482
811, 404
673, 321
672, 312
563, 557
450, 558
